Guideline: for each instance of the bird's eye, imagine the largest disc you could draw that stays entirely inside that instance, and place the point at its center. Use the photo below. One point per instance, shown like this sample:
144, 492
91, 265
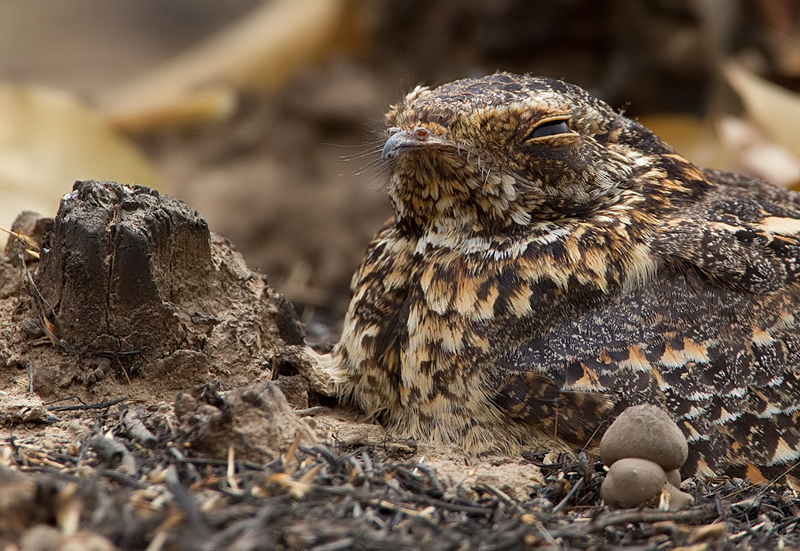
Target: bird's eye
549, 128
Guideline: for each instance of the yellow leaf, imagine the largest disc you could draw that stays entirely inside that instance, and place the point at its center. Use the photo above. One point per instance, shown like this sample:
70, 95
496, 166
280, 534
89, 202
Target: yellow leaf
775, 109
48, 139
260, 52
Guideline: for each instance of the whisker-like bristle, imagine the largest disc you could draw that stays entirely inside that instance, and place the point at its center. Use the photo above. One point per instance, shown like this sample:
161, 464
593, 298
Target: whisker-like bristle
361, 155
367, 149
370, 143
371, 167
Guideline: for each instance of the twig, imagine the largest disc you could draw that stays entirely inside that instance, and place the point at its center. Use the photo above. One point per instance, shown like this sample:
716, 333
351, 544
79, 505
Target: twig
309, 411
135, 428
696, 514
124, 479
231, 470
113, 452
101, 405
240, 465
501, 495
430, 473
176, 453
572, 492
469, 509
186, 502
547, 536
39, 299
24, 238
73, 397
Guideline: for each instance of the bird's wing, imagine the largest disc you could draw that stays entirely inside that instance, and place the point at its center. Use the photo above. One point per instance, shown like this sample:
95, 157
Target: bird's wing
574, 416
723, 363
714, 339
745, 235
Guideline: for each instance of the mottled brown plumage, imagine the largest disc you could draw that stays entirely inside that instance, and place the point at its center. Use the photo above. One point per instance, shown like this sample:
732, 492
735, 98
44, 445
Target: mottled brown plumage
551, 262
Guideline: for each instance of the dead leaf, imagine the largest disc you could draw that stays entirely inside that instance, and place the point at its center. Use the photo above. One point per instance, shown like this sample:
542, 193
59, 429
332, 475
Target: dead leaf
260, 52
775, 109
49, 139
756, 155
693, 137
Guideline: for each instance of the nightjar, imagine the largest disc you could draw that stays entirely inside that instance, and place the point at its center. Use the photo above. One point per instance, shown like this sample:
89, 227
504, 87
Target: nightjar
551, 262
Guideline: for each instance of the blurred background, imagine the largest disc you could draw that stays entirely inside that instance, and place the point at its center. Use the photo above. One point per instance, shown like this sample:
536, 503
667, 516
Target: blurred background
266, 115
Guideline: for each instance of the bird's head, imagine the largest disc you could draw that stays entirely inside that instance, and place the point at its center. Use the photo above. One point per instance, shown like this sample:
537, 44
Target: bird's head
500, 151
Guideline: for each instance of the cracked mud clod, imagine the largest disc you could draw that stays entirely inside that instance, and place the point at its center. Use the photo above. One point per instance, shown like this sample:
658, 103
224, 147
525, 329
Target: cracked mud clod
134, 281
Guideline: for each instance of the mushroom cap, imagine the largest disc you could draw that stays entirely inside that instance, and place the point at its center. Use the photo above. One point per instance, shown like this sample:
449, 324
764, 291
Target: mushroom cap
645, 432
632, 482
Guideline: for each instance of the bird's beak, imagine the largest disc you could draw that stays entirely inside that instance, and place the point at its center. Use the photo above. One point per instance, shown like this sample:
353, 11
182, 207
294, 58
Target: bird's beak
397, 143
411, 140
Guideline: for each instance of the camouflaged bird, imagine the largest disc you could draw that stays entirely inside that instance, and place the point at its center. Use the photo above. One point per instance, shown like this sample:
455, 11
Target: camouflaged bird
551, 262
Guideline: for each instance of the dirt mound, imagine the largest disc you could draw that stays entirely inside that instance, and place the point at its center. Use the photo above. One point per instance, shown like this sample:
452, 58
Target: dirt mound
133, 288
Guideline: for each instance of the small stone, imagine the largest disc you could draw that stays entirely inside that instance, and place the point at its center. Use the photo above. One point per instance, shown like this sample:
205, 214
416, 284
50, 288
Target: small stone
31, 227
31, 329
631, 482
645, 432
541, 505
103, 364
40, 537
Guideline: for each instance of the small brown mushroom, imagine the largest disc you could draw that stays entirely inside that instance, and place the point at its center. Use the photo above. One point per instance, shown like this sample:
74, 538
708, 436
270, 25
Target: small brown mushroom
631, 482
674, 477
676, 499
645, 432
